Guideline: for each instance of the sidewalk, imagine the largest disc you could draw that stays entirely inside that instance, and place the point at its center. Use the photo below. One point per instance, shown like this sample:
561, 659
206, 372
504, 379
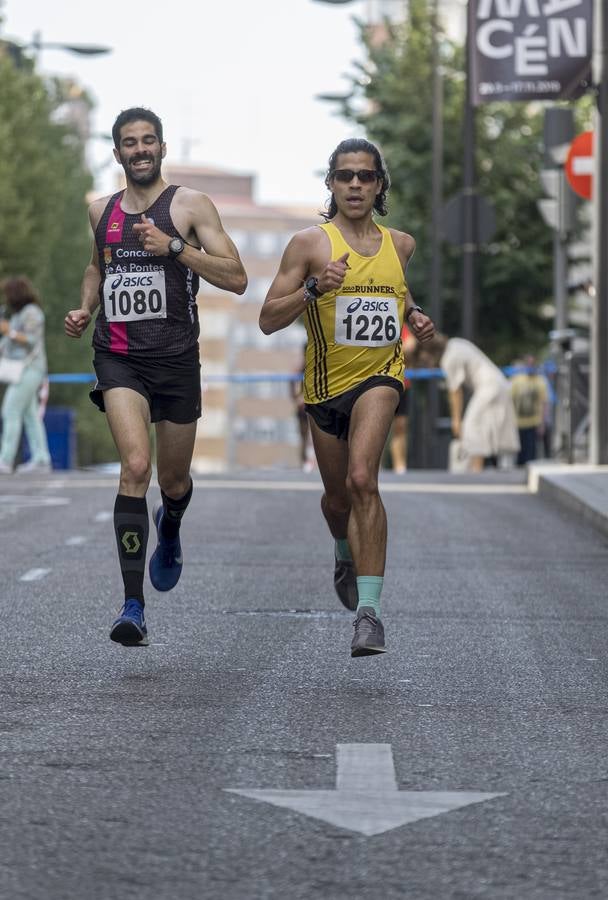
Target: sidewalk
583, 489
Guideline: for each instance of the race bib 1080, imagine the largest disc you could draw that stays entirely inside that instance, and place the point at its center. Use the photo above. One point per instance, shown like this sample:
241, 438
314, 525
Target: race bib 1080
367, 321
134, 296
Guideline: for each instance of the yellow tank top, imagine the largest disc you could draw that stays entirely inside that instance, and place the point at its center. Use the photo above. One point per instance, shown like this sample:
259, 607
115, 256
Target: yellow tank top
355, 332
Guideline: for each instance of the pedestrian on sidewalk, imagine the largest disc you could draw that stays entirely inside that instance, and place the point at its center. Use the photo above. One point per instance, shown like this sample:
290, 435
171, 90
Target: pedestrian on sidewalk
22, 342
531, 401
153, 242
487, 427
347, 278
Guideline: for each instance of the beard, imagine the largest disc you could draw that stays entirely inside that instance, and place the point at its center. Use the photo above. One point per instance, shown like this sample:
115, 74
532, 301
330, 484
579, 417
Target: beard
142, 179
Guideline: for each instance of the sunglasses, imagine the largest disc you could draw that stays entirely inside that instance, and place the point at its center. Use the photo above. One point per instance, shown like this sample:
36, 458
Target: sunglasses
365, 176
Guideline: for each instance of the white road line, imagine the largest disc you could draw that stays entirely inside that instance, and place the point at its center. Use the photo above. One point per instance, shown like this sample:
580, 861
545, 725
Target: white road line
103, 517
76, 541
34, 574
25, 500
388, 487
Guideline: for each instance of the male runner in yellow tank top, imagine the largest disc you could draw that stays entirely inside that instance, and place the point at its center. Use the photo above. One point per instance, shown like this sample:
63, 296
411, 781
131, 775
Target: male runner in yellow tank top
347, 277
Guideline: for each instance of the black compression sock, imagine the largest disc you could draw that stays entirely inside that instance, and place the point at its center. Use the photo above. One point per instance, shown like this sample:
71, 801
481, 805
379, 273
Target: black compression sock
173, 511
131, 529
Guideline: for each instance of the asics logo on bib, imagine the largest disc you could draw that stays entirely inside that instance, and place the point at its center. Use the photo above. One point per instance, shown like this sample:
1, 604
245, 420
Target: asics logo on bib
367, 305
132, 281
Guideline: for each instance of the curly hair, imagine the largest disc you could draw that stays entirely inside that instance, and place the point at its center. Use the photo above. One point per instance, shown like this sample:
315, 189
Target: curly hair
19, 291
358, 145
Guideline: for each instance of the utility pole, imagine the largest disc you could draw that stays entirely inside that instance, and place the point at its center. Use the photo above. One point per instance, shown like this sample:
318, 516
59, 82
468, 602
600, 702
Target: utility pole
599, 338
437, 173
469, 243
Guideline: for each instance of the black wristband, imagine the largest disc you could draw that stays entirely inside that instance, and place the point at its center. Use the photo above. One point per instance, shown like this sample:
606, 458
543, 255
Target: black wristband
311, 287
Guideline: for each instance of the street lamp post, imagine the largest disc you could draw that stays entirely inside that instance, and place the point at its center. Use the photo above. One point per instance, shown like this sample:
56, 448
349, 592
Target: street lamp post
16, 48
37, 44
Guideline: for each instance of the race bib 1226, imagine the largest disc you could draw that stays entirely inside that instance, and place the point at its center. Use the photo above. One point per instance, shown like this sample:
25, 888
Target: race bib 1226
366, 321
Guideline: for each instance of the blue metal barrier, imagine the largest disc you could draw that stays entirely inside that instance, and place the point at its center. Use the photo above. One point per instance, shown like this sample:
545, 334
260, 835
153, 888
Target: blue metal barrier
243, 377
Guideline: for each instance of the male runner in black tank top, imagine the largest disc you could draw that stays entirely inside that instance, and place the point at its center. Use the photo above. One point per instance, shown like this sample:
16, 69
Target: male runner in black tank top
143, 276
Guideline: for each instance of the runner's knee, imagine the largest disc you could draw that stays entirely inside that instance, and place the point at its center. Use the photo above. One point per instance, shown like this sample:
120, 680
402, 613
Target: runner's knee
174, 485
335, 505
361, 481
136, 469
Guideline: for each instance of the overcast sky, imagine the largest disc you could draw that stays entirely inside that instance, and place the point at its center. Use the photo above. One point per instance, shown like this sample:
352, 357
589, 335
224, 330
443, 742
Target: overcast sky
234, 81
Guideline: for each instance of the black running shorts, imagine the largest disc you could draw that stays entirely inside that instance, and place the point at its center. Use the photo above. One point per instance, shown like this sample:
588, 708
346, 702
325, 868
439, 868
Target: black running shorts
404, 404
333, 416
171, 385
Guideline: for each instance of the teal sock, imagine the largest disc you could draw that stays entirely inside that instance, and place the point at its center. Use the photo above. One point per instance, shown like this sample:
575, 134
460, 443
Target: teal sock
342, 549
370, 588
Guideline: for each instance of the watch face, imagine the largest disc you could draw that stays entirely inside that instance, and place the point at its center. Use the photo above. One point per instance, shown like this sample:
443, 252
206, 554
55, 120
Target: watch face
311, 283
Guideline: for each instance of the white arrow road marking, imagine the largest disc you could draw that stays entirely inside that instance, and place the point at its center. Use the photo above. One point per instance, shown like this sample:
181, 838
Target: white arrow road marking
366, 798
34, 574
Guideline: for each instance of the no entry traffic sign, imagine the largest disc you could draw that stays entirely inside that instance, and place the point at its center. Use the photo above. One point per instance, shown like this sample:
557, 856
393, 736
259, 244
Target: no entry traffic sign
579, 165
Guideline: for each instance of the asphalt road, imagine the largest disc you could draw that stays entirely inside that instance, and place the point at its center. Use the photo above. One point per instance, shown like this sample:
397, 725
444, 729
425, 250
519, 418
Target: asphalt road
118, 767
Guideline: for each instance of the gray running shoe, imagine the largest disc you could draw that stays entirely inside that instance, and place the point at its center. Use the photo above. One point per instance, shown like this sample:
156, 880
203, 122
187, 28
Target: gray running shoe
369, 634
345, 583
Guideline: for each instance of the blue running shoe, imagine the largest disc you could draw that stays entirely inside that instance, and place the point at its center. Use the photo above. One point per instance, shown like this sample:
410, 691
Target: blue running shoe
167, 562
129, 629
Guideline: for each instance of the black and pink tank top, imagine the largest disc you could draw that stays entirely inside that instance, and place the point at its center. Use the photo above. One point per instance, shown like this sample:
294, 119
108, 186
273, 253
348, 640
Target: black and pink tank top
147, 303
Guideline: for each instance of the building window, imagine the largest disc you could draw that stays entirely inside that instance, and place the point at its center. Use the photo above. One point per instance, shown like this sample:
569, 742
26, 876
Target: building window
264, 430
242, 240
266, 243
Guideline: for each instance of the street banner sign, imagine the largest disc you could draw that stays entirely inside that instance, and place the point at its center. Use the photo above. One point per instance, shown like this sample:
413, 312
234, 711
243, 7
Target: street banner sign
529, 49
579, 165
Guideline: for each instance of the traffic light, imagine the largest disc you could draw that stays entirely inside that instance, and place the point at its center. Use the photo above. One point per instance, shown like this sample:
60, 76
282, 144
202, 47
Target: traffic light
558, 209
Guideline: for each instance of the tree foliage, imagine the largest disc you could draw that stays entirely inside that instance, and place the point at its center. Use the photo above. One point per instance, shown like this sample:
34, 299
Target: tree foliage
44, 231
391, 98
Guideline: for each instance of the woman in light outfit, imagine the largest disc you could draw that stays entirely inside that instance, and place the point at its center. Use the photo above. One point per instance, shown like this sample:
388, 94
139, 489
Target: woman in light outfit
488, 427
22, 338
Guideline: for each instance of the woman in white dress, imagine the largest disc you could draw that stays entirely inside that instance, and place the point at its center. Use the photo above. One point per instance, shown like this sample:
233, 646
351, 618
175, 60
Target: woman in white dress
488, 426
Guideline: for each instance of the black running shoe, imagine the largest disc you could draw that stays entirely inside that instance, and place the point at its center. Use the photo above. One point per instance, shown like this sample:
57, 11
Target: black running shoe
369, 634
345, 583
129, 629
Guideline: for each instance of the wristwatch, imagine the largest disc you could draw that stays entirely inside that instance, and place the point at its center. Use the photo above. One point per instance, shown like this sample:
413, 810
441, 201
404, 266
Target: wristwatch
411, 310
311, 290
176, 246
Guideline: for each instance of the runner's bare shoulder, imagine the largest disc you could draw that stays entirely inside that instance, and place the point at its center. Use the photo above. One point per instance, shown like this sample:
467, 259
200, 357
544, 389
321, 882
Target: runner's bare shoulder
404, 245
96, 209
312, 243
193, 203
